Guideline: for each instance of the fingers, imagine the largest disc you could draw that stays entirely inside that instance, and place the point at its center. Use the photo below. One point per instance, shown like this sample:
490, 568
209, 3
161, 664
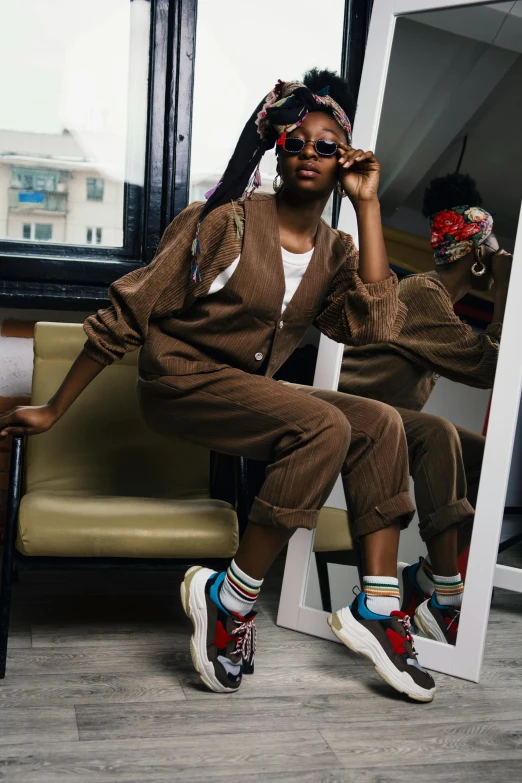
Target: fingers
16, 432
349, 156
7, 418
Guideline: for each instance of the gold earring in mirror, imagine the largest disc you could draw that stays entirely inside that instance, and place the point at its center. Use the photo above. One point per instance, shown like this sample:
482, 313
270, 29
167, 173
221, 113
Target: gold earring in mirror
340, 191
277, 185
478, 269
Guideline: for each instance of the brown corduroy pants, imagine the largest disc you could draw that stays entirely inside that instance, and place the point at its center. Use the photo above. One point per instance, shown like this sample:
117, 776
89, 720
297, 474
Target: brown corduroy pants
308, 435
445, 464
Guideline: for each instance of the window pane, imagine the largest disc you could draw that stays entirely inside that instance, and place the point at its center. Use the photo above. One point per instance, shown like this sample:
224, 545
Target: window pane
233, 74
98, 236
73, 115
95, 189
89, 236
27, 231
43, 232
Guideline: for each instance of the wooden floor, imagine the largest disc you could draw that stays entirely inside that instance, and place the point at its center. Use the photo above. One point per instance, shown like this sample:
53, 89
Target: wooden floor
100, 689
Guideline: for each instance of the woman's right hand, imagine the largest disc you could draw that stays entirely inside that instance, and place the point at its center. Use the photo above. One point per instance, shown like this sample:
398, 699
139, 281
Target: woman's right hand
501, 268
27, 420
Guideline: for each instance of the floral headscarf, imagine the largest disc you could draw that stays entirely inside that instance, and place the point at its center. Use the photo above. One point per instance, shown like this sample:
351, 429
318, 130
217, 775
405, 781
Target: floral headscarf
456, 231
288, 105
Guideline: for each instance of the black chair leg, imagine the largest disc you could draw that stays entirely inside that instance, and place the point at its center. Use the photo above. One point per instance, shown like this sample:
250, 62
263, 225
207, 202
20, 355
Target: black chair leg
243, 502
13, 502
324, 582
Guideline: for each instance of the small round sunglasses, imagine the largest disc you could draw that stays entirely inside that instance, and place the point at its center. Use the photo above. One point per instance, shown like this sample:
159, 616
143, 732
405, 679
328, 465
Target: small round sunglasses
324, 147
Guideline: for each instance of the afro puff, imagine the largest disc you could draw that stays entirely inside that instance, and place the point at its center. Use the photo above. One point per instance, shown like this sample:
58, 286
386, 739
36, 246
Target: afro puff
317, 80
453, 190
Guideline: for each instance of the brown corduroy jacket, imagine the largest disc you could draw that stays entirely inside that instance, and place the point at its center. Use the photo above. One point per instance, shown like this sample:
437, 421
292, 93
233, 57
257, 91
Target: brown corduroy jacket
433, 342
182, 331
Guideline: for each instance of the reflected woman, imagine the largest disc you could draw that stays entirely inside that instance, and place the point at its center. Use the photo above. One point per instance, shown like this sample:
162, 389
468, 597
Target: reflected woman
445, 460
234, 285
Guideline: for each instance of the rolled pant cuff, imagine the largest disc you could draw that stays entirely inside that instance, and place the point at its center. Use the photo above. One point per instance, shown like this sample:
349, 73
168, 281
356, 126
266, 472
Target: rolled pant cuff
263, 513
397, 509
455, 514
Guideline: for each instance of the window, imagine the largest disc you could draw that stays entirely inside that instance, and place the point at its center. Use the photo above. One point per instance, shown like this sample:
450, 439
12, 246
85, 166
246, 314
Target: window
43, 232
251, 78
90, 117
39, 232
94, 189
83, 133
94, 234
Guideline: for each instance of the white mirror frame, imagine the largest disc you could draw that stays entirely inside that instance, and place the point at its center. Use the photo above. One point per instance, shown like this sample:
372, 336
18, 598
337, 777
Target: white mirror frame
465, 658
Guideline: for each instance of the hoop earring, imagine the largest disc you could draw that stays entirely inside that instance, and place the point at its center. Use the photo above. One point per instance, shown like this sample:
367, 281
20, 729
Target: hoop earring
277, 185
340, 191
479, 271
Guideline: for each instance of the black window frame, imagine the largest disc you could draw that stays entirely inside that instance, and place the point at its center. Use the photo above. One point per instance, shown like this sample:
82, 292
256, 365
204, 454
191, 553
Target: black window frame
54, 276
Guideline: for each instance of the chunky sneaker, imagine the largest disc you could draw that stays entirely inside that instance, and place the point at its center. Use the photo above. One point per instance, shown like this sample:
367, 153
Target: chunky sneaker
388, 643
223, 643
411, 593
438, 622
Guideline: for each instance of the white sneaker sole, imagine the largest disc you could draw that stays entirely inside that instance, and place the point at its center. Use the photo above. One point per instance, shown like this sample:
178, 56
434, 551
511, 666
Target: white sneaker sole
425, 621
362, 641
195, 606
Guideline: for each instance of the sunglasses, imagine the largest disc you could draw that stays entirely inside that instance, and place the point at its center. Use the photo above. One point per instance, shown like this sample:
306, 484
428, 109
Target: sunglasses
294, 145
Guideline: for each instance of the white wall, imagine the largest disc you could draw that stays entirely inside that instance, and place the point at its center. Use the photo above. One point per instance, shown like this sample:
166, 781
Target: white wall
16, 353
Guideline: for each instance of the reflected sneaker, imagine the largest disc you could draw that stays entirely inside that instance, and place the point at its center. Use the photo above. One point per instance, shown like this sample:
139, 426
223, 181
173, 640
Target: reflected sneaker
223, 643
412, 595
438, 622
388, 643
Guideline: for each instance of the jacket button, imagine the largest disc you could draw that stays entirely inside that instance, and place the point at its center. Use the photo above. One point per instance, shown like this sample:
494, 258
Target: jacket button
259, 356
281, 324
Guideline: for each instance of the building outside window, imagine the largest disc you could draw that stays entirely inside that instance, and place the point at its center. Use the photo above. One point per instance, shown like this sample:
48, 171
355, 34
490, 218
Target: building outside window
95, 189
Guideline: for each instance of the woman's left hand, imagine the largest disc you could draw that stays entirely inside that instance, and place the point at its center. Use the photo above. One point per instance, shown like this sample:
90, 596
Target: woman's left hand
358, 174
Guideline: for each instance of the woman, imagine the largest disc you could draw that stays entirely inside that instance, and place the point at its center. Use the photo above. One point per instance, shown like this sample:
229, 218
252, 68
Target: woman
232, 289
445, 460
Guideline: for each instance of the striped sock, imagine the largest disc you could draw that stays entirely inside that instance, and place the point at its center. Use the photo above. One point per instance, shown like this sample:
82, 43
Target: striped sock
448, 589
239, 592
382, 594
424, 576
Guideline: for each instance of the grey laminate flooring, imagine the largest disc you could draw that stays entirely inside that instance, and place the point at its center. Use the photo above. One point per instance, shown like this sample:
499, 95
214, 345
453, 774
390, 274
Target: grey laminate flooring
100, 689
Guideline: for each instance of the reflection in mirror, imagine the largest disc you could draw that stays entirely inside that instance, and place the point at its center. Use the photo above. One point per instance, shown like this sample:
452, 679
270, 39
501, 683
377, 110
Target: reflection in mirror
450, 156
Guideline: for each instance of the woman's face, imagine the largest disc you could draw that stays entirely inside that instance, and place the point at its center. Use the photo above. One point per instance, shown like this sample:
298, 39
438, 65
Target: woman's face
306, 173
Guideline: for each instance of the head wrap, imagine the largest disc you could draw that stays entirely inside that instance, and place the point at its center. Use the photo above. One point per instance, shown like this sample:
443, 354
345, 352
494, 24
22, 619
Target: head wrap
455, 232
283, 110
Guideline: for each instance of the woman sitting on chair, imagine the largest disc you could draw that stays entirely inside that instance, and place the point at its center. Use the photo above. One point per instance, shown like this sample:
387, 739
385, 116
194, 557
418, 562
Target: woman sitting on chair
233, 287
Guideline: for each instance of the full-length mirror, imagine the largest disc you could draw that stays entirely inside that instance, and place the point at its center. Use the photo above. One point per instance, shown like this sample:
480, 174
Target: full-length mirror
450, 193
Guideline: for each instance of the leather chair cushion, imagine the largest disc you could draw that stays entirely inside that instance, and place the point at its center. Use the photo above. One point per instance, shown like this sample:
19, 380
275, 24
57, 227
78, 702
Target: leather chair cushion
68, 525
333, 531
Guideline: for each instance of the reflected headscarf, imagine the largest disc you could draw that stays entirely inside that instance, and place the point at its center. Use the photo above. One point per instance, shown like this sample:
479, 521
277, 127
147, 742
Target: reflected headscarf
456, 231
283, 110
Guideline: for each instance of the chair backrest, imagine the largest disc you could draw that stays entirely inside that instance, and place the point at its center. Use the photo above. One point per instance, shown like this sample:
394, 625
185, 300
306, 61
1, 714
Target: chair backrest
102, 446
